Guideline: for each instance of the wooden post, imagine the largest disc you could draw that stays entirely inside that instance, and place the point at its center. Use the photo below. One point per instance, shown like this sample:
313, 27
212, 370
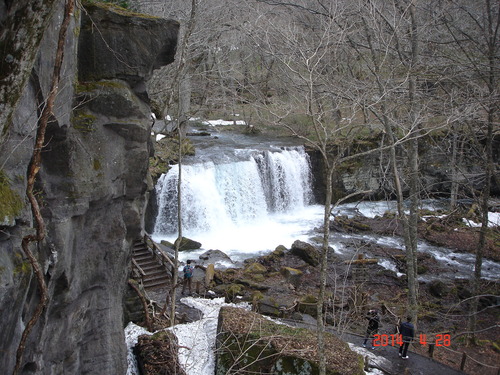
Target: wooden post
462, 364
198, 285
407, 371
431, 350
366, 363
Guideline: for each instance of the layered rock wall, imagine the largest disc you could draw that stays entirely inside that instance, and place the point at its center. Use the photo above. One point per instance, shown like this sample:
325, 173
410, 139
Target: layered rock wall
92, 187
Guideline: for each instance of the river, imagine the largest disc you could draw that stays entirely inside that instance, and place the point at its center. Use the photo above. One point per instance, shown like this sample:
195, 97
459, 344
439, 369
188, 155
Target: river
245, 195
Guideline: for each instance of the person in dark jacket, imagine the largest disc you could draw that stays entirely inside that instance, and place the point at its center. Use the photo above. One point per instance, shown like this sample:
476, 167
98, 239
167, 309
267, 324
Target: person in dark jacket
407, 331
372, 329
188, 277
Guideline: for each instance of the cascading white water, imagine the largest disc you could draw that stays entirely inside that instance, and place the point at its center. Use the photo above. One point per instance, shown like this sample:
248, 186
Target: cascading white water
221, 196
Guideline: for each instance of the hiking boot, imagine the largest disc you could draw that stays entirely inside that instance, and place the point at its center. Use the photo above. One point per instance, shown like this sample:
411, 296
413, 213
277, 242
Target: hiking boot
364, 345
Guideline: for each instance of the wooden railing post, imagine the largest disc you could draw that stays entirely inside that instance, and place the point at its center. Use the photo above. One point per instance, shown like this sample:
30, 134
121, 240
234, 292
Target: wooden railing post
464, 358
431, 350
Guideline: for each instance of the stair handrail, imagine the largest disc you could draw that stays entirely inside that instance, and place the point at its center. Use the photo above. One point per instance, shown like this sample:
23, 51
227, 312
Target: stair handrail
141, 271
158, 252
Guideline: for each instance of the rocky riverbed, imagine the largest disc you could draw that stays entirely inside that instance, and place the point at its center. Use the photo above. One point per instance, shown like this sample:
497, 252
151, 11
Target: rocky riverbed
285, 283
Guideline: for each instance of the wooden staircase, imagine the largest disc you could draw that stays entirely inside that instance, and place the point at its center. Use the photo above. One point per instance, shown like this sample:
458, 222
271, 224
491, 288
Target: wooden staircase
152, 272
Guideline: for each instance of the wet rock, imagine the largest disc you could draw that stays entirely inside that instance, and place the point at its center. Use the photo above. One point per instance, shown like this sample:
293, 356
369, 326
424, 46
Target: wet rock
438, 288
269, 306
187, 244
306, 252
307, 305
215, 256
255, 269
292, 275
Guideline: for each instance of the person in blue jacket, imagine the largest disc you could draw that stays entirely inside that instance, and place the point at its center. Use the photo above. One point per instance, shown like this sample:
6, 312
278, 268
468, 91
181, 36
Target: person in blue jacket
407, 331
188, 277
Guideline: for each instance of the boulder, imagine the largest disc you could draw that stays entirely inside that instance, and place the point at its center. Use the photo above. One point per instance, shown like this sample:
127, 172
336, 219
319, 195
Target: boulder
269, 306
292, 275
248, 342
252, 285
306, 252
308, 305
187, 244
215, 256
438, 288
255, 268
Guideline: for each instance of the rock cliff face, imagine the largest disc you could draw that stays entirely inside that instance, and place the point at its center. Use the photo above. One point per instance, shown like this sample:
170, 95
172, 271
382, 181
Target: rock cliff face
92, 187
372, 172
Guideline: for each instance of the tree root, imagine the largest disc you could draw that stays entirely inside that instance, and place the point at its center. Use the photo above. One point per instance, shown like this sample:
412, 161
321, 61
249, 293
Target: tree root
33, 169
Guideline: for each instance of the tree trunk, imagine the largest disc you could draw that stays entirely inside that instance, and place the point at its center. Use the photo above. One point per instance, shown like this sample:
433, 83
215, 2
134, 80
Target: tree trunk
493, 26
411, 249
323, 267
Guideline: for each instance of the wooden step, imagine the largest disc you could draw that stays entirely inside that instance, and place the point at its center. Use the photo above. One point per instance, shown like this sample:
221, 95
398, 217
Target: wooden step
156, 275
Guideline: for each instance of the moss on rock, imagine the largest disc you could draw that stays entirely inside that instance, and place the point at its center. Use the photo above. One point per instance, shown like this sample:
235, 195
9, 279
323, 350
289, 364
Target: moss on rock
11, 203
247, 341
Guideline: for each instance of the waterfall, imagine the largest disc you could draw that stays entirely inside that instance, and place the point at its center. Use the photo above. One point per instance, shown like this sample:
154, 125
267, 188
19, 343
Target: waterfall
217, 196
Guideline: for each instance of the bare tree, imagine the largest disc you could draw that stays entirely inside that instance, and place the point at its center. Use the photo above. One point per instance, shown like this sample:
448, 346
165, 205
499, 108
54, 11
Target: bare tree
307, 51
474, 29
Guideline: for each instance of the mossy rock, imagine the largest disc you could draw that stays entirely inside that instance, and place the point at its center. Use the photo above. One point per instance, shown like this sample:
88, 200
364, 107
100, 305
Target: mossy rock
280, 251
308, 305
11, 203
251, 284
269, 306
306, 252
292, 275
257, 296
167, 244
83, 121
255, 268
258, 277
187, 244
248, 342
231, 290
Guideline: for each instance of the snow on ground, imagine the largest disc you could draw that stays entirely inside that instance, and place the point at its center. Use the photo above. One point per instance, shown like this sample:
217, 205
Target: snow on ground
372, 358
132, 332
493, 220
196, 339
221, 122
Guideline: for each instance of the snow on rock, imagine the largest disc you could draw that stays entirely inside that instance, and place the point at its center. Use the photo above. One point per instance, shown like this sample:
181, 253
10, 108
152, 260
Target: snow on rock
132, 333
372, 358
196, 340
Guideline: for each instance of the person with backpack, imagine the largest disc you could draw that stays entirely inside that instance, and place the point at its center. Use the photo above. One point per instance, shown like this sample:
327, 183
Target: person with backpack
188, 277
372, 329
407, 331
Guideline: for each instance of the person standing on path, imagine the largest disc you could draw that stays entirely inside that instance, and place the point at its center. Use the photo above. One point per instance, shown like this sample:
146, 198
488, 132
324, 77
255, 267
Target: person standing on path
372, 329
188, 277
407, 331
